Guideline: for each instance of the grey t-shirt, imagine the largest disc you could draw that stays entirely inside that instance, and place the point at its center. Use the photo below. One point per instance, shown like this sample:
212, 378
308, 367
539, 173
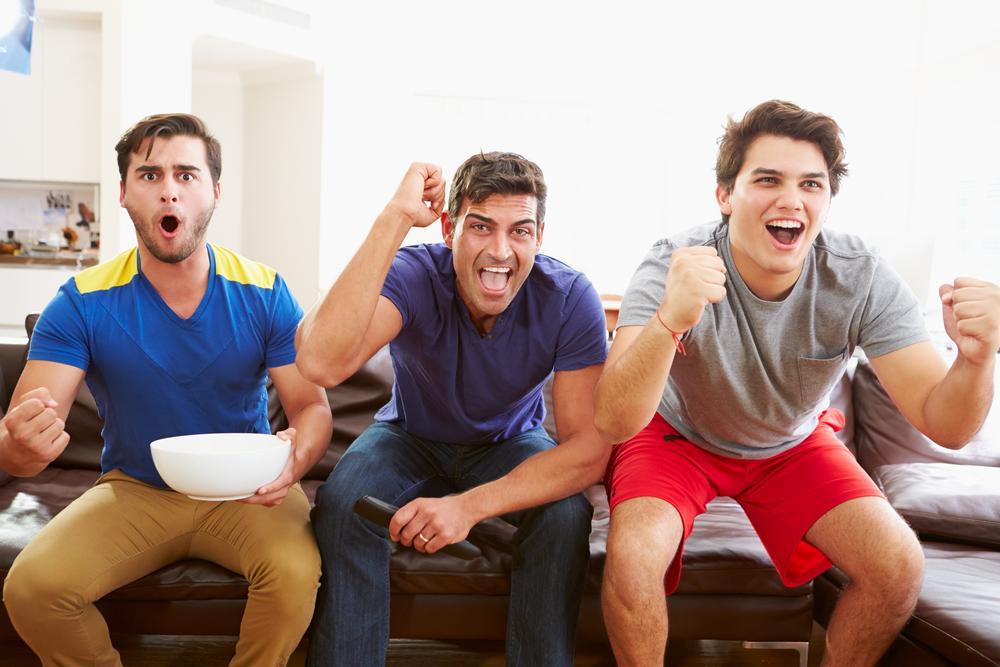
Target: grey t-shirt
758, 373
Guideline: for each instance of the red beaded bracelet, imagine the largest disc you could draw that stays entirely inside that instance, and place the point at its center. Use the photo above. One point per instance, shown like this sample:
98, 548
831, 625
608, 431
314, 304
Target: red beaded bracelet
677, 336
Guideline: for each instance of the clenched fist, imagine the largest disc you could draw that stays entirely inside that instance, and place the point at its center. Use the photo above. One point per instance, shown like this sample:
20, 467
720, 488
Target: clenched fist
971, 311
420, 196
35, 434
696, 278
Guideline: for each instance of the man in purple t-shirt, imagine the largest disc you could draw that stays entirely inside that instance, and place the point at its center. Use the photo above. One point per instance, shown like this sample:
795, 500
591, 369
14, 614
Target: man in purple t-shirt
475, 326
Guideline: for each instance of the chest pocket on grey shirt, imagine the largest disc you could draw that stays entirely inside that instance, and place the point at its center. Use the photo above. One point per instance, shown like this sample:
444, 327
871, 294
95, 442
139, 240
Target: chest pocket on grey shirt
817, 376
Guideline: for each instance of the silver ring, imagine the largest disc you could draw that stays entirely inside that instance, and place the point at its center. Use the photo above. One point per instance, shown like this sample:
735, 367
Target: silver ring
421, 536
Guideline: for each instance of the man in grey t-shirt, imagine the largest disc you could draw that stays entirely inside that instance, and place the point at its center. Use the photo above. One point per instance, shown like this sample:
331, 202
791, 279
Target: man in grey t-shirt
730, 338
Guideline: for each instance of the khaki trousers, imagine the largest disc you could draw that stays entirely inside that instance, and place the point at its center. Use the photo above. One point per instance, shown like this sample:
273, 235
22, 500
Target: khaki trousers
121, 529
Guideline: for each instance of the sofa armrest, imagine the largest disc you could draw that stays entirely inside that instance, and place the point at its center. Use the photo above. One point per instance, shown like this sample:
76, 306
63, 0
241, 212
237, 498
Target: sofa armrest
959, 503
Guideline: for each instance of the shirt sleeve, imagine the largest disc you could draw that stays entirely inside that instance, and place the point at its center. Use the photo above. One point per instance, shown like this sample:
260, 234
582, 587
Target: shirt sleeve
285, 316
645, 291
404, 285
583, 338
60, 335
891, 318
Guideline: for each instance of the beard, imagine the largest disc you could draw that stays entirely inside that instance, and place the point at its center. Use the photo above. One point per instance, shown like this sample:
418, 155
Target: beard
190, 240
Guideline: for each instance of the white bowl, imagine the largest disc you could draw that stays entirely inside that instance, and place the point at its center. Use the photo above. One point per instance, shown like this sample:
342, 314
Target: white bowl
219, 466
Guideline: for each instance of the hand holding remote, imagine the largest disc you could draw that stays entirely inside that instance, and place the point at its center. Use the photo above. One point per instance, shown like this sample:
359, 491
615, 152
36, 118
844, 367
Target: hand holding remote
381, 513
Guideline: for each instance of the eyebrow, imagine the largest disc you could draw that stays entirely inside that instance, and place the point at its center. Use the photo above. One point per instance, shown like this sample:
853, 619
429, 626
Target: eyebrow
775, 172
484, 218
177, 167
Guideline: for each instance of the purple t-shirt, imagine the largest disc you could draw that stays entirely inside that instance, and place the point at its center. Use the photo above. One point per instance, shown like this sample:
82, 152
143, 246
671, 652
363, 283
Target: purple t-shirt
453, 385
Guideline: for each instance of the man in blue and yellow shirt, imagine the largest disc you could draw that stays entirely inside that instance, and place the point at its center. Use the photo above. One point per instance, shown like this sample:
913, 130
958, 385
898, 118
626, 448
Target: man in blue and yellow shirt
174, 337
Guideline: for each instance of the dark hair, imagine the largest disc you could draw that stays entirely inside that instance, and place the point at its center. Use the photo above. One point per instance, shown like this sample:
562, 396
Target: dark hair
496, 173
168, 125
782, 119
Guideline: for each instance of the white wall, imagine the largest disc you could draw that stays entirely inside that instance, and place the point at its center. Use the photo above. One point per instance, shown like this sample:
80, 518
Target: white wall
622, 109
217, 99
367, 138
27, 290
101, 65
282, 134
148, 68
48, 120
956, 189
49, 131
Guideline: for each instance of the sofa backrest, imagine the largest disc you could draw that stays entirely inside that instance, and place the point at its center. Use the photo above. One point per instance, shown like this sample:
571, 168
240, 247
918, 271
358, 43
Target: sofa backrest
353, 404
884, 437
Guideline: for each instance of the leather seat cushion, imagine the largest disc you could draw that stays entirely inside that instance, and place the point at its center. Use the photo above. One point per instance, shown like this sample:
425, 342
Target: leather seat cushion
723, 555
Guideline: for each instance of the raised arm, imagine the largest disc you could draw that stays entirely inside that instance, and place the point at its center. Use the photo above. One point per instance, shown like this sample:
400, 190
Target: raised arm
949, 405
33, 433
641, 357
353, 320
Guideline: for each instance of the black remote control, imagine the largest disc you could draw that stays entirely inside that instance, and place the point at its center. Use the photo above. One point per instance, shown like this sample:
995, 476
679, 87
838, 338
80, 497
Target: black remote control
380, 512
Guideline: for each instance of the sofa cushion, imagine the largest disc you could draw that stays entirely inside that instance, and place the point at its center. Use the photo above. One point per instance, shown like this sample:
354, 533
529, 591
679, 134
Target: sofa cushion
27, 504
723, 555
959, 608
884, 437
947, 501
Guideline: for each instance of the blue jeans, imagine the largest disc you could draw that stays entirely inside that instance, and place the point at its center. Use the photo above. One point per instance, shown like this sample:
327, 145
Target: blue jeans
551, 547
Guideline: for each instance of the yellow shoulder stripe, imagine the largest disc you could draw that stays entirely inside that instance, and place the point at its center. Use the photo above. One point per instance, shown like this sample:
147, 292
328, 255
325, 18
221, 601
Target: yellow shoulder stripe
112, 273
239, 269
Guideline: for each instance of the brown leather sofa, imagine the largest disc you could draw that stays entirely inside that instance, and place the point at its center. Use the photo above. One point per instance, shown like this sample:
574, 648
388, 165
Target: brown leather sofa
952, 500
729, 590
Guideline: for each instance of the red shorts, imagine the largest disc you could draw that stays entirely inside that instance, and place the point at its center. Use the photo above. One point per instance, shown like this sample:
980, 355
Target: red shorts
783, 495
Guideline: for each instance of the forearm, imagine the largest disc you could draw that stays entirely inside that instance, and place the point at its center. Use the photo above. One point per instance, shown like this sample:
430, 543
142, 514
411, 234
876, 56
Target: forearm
630, 387
551, 475
313, 426
331, 335
957, 406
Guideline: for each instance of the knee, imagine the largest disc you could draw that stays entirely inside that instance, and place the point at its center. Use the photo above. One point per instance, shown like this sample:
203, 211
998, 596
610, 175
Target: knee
631, 589
335, 500
331, 500
340, 531
293, 575
638, 559
31, 587
632, 574
898, 574
571, 516
908, 572
566, 521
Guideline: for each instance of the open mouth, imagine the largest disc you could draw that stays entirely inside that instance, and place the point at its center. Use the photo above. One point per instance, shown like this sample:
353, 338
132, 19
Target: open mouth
494, 278
169, 224
785, 232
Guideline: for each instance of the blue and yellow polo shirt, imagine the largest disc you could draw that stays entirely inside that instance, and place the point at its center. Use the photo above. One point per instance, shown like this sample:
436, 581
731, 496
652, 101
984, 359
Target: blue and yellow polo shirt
155, 375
